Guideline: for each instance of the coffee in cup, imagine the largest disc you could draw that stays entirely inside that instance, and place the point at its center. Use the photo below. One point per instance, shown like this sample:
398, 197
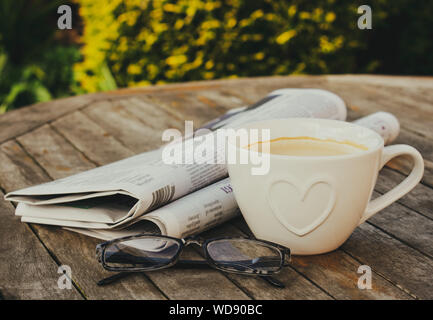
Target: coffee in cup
309, 146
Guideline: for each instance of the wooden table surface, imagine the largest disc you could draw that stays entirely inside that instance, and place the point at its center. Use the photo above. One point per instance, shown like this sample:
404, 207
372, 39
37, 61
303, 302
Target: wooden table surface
55, 139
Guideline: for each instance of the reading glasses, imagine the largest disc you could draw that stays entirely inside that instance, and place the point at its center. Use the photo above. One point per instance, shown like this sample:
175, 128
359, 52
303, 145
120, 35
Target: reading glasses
149, 252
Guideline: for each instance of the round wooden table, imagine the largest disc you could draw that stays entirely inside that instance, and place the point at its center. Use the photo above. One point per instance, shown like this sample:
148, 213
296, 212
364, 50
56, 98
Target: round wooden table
59, 138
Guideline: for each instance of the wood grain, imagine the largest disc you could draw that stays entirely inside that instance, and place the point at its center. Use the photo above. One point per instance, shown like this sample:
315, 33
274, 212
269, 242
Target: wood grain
419, 199
424, 146
91, 139
18, 170
26, 270
78, 252
115, 118
20, 121
53, 153
394, 260
406, 225
69, 248
365, 99
336, 274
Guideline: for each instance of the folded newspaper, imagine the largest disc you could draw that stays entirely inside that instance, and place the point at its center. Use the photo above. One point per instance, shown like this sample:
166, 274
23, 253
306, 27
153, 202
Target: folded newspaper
144, 194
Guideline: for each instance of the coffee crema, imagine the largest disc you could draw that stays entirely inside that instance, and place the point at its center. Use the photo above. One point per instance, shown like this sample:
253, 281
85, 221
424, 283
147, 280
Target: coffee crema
308, 147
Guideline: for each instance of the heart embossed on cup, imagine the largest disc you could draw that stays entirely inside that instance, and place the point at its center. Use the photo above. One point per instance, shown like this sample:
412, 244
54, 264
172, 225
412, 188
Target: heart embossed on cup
301, 207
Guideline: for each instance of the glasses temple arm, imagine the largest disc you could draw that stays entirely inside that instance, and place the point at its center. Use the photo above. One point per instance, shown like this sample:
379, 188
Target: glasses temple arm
113, 278
273, 281
187, 264
204, 264
184, 264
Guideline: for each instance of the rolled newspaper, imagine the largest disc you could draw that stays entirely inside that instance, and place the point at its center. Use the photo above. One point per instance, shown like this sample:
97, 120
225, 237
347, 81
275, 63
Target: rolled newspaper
384, 123
115, 195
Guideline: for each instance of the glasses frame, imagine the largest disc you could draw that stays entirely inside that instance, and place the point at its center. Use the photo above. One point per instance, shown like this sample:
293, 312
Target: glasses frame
283, 251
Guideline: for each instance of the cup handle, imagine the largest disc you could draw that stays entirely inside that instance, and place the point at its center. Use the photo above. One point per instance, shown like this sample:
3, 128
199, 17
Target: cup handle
401, 189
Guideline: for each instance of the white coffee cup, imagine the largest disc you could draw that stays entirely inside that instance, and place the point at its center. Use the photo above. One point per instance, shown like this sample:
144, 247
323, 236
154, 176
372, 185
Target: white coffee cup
312, 204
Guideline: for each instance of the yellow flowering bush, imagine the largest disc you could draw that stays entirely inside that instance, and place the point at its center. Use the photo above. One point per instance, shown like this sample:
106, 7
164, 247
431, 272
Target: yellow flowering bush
138, 42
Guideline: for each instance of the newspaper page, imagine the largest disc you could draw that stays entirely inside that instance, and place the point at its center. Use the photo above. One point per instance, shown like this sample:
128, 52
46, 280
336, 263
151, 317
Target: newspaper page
192, 214
113, 195
215, 204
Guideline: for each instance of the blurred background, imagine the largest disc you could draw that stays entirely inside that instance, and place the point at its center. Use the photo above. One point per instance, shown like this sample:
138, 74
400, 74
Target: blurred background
125, 43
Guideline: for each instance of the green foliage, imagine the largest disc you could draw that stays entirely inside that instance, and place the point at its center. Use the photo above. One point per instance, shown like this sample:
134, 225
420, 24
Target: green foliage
155, 41
33, 67
139, 42
58, 66
23, 86
51, 76
26, 28
401, 39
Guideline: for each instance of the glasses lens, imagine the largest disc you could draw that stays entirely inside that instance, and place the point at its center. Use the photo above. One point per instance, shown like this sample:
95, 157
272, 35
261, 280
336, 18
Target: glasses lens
244, 255
143, 253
